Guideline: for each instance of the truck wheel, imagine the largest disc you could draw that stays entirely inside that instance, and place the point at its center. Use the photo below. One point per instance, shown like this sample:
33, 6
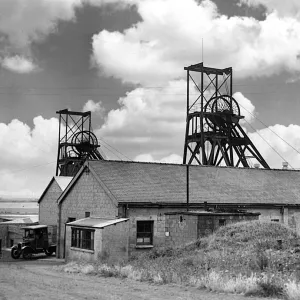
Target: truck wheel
15, 254
48, 252
27, 254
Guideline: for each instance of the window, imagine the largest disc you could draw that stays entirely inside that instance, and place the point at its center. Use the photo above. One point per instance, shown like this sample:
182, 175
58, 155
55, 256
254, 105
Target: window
87, 214
144, 233
274, 220
82, 238
222, 222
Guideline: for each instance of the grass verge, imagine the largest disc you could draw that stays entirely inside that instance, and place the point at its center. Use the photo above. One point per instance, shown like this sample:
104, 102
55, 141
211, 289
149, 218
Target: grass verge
243, 258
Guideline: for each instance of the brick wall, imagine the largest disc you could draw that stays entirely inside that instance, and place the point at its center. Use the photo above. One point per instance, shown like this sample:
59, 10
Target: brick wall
48, 209
85, 196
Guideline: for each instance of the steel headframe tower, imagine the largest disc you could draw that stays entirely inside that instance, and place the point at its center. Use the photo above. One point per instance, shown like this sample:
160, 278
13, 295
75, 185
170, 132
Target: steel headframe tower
76, 142
213, 133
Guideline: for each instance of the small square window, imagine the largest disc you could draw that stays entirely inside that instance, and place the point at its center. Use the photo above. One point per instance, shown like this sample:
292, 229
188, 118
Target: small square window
87, 214
222, 222
144, 233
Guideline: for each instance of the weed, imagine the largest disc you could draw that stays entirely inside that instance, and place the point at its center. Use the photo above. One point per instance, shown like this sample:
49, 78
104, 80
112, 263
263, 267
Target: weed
239, 258
292, 290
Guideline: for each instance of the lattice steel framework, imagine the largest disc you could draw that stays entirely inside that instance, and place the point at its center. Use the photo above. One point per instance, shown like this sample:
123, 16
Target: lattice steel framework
76, 142
213, 133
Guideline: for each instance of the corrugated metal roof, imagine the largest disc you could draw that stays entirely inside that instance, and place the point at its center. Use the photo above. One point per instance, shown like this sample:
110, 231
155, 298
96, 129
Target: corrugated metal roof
96, 222
166, 183
63, 181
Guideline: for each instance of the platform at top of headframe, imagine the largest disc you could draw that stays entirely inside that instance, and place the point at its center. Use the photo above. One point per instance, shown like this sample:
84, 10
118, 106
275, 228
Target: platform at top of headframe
77, 113
200, 68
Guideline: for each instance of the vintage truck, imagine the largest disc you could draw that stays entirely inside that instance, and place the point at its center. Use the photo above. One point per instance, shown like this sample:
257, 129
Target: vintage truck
36, 239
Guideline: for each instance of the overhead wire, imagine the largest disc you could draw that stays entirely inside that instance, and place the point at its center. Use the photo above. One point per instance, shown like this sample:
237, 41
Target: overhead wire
116, 150
272, 132
31, 167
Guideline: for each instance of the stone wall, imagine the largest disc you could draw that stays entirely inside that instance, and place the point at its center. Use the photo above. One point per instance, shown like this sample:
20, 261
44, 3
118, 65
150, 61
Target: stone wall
85, 196
180, 229
157, 215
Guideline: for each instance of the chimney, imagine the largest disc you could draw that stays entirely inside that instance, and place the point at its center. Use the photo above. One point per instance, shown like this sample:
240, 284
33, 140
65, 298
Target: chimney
205, 205
285, 165
256, 166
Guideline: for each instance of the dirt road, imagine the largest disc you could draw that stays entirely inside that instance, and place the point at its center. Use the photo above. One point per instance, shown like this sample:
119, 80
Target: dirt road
38, 279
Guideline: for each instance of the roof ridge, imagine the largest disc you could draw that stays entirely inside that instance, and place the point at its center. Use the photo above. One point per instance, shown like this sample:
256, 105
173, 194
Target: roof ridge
193, 166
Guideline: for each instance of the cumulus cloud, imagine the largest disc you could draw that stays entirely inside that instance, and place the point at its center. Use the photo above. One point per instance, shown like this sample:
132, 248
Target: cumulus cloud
246, 107
95, 107
25, 21
172, 158
28, 155
149, 120
265, 139
170, 34
18, 64
283, 8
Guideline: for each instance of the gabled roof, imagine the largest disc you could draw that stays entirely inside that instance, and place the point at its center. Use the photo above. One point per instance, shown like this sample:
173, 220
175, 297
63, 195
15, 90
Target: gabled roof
154, 182
62, 182
93, 222
138, 182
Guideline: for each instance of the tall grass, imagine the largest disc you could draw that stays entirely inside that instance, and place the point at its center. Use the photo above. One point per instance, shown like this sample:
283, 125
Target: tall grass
243, 258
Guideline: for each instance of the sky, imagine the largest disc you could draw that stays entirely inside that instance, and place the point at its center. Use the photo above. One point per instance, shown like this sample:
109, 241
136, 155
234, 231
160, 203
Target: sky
124, 60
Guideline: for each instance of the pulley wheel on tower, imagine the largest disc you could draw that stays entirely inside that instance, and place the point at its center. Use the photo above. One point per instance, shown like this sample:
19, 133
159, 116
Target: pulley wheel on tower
221, 112
84, 142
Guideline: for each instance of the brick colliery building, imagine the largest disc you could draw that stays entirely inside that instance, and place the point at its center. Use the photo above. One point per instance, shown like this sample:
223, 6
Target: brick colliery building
111, 209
